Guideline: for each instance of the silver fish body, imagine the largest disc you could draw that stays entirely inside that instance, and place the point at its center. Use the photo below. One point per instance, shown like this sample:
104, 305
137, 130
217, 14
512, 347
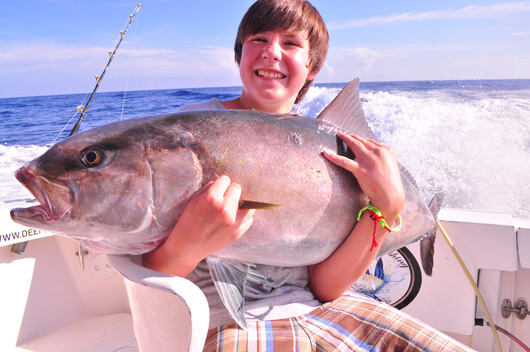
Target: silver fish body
148, 168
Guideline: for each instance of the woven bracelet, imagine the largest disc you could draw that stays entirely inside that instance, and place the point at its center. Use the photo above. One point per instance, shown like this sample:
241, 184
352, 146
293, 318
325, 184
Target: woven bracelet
376, 216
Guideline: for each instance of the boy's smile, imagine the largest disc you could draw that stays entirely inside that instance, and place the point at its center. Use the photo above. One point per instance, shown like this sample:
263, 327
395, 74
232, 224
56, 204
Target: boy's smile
269, 74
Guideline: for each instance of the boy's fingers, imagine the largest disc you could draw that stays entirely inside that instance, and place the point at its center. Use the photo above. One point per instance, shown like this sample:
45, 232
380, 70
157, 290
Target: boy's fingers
232, 194
342, 161
246, 214
355, 143
203, 189
221, 183
359, 141
244, 226
215, 187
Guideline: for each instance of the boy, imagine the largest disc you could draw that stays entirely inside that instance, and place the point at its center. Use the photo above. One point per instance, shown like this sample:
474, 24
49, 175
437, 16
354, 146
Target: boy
280, 47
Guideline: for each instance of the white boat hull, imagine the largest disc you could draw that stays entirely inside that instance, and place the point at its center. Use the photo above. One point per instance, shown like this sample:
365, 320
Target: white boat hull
46, 299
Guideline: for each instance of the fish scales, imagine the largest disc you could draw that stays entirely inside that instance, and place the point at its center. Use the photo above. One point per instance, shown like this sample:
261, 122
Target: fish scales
257, 151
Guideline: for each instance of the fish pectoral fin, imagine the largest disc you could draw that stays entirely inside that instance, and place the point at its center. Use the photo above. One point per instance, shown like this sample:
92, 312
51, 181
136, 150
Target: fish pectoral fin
250, 204
229, 277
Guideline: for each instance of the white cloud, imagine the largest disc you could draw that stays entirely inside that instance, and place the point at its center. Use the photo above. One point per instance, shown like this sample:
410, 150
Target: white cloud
190, 68
349, 62
26, 57
51, 68
521, 34
490, 11
424, 61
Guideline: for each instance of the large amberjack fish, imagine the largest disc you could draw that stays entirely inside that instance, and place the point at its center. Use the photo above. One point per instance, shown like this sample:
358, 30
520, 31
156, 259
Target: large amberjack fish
120, 188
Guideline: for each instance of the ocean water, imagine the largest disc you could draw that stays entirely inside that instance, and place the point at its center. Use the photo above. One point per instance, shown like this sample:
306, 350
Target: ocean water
468, 139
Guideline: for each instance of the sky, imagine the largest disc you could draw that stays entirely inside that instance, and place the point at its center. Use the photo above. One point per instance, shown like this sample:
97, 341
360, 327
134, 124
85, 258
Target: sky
50, 47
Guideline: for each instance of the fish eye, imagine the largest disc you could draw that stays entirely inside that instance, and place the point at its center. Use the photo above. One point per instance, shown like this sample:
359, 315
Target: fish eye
91, 157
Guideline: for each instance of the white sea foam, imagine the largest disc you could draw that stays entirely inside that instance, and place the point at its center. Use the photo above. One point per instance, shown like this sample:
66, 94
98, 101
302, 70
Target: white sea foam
11, 158
316, 99
476, 151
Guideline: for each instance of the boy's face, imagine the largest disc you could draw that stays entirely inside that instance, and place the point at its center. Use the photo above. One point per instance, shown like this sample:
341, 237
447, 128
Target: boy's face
274, 66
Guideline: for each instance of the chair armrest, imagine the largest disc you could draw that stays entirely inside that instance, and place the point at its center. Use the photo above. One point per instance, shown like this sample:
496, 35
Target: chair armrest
169, 313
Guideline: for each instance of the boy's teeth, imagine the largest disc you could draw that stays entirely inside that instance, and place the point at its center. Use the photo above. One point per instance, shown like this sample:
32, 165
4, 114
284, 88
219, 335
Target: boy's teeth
270, 74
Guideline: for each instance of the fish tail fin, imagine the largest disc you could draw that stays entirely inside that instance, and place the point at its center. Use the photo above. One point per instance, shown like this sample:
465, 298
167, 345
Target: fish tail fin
427, 243
229, 277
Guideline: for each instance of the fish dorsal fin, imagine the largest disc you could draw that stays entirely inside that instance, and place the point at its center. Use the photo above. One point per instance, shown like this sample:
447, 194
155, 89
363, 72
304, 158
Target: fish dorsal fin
346, 113
406, 173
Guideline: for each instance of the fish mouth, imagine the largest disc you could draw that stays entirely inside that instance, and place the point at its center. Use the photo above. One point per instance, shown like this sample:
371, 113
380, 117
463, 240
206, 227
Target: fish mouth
54, 196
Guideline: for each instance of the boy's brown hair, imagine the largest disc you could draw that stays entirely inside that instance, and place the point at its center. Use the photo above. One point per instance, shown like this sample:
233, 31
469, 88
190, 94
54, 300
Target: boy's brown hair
287, 15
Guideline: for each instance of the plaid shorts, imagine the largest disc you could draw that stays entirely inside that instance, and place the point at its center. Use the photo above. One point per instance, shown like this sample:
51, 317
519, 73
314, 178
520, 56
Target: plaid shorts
350, 323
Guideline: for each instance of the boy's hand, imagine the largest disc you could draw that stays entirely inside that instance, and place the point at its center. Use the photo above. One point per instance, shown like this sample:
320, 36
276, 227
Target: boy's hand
211, 221
376, 169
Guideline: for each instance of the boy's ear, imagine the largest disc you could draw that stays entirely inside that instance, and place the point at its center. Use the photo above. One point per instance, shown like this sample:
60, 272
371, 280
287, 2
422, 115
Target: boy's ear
312, 74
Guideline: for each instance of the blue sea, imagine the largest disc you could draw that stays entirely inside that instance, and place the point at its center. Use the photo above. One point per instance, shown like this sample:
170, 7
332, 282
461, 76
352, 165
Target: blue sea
469, 139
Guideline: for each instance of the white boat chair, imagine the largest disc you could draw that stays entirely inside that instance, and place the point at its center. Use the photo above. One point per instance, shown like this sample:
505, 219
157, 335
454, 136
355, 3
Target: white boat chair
169, 313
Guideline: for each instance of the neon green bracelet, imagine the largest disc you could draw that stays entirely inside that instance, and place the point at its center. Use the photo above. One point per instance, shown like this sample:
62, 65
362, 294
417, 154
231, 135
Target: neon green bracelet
380, 218
376, 216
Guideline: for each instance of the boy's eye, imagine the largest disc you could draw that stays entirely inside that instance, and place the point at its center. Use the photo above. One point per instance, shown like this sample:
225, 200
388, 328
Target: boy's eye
262, 40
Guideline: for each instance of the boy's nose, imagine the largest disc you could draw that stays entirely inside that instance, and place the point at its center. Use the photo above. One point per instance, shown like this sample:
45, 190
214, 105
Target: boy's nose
272, 51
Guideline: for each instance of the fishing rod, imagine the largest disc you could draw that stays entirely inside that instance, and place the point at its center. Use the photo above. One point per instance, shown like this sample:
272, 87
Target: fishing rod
81, 252
82, 108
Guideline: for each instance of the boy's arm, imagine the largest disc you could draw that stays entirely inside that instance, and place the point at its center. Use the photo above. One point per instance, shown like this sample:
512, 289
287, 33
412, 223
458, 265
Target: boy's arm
376, 169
